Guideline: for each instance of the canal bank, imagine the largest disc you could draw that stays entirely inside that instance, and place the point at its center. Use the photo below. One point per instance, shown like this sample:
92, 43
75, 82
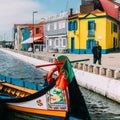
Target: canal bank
100, 79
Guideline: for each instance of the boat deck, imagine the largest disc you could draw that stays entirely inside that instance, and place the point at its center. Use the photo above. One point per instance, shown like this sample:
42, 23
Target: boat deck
15, 90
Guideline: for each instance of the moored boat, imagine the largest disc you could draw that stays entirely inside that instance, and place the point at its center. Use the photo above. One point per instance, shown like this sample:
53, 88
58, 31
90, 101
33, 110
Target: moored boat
61, 99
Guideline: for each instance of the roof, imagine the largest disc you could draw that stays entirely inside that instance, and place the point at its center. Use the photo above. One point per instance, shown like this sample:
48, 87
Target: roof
116, 3
96, 11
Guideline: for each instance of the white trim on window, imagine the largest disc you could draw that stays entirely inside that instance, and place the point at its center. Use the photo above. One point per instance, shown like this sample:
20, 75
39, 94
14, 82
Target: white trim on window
50, 42
61, 24
57, 42
48, 27
64, 42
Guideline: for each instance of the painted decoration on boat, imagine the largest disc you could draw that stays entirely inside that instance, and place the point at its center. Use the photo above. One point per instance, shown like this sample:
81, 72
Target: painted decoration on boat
57, 99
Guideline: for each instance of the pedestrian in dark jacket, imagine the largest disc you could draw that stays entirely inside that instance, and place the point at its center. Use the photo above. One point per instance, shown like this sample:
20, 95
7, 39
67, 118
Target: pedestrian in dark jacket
97, 53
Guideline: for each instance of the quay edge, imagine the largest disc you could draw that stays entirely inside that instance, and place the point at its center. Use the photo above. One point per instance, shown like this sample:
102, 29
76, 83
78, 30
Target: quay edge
104, 81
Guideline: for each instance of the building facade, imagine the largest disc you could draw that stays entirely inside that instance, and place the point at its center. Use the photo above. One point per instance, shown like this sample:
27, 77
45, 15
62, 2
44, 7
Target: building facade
85, 29
55, 32
25, 36
21, 33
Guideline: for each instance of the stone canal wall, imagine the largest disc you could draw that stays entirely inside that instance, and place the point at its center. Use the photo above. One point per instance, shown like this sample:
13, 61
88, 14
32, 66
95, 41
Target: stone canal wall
105, 81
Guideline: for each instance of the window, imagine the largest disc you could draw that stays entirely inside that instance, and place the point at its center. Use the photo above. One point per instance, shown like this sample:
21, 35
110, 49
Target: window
37, 30
55, 25
70, 26
64, 42
74, 25
114, 27
90, 44
50, 42
91, 28
48, 27
61, 24
56, 42
47, 42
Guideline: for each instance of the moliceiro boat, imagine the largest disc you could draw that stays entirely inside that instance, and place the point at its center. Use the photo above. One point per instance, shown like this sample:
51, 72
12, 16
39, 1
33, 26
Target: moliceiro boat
60, 100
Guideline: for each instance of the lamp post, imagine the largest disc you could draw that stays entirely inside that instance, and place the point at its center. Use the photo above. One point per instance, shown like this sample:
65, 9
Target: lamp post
33, 28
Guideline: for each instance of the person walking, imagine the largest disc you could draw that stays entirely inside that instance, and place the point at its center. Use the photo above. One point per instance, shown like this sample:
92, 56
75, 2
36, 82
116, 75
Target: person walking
97, 53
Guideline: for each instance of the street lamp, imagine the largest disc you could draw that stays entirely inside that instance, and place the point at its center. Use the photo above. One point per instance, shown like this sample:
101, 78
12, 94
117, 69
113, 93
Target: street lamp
33, 28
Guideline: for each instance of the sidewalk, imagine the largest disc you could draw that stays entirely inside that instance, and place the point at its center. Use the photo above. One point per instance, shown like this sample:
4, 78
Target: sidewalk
111, 60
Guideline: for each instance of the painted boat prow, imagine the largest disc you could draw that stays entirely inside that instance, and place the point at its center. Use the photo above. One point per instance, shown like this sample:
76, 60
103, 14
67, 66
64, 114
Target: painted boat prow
55, 101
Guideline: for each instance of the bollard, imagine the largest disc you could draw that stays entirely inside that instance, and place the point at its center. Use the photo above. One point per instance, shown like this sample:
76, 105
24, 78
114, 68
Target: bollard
117, 74
85, 67
103, 71
96, 69
80, 66
109, 73
75, 65
90, 68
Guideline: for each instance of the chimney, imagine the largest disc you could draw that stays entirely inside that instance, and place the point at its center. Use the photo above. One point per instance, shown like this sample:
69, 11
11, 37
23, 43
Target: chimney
71, 12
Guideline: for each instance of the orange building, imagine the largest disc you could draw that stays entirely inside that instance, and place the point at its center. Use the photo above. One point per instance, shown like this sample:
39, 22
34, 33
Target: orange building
27, 36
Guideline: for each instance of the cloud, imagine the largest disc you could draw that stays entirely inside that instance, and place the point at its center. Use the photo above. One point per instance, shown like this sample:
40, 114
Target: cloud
18, 11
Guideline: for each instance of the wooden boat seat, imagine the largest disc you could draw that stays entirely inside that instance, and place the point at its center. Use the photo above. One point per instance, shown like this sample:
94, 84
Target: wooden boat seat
1, 86
16, 90
20, 88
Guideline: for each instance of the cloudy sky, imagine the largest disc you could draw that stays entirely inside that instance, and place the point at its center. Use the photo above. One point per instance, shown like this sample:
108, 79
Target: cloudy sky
117, 1
20, 11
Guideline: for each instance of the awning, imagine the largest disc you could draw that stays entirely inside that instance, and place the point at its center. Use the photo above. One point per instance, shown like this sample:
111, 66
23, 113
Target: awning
30, 40
56, 36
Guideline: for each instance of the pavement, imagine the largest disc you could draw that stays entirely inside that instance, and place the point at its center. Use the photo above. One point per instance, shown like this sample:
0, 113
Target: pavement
111, 60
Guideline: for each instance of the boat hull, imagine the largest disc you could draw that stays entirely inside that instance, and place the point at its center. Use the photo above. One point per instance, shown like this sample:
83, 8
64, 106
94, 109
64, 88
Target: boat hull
46, 114
61, 99
45, 103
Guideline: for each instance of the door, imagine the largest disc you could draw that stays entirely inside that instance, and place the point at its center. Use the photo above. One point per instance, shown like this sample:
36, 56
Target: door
114, 44
89, 45
72, 45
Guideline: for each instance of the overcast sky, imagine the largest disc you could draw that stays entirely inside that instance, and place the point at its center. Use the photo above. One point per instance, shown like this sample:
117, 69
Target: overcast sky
20, 11
118, 1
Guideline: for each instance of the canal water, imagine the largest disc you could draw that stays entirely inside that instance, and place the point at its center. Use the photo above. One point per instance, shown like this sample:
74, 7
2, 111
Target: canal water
100, 108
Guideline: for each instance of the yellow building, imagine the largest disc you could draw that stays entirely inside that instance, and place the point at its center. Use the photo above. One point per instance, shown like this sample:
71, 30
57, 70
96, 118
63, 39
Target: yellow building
85, 29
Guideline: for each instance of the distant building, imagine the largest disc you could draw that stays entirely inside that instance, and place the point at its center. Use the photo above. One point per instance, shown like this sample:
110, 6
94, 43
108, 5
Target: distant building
55, 32
24, 38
